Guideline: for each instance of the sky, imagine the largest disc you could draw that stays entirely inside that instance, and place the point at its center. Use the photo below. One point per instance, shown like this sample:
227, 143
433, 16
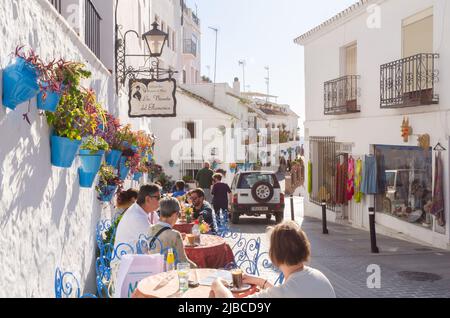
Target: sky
262, 33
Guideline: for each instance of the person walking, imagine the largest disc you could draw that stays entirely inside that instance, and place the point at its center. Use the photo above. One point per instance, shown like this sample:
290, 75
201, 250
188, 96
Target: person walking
204, 180
221, 195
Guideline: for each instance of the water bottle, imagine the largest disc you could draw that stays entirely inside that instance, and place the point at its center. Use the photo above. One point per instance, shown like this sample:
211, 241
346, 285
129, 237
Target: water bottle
170, 262
196, 232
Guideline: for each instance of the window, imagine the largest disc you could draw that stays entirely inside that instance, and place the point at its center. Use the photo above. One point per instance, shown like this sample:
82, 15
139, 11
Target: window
174, 41
408, 191
323, 151
190, 126
351, 60
169, 35
247, 181
418, 33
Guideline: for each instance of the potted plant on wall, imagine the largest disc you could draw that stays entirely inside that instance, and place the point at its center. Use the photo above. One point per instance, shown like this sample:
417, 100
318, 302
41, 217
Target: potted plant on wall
91, 156
58, 77
70, 123
108, 183
21, 78
110, 134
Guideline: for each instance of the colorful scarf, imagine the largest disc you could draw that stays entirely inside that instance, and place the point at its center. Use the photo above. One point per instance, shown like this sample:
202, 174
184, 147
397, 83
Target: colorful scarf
358, 179
438, 208
350, 179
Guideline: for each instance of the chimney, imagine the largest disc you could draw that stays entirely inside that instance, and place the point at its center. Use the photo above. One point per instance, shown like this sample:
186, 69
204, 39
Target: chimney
237, 86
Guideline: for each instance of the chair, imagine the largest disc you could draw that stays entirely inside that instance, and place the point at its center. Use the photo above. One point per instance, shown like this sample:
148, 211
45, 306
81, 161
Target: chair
134, 268
68, 286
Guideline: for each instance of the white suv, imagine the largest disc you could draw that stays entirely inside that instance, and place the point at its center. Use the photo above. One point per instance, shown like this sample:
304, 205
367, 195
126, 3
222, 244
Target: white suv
256, 193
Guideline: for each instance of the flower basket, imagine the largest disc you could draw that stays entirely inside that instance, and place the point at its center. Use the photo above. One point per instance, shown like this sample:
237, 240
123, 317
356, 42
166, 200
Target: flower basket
124, 170
113, 157
138, 176
50, 102
91, 162
20, 83
86, 178
63, 151
107, 193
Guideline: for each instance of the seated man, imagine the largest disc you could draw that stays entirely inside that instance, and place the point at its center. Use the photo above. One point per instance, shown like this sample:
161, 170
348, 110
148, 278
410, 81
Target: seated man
202, 208
164, 232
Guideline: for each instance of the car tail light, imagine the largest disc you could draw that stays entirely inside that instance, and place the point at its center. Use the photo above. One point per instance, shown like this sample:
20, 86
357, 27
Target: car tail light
235, 199
282, 198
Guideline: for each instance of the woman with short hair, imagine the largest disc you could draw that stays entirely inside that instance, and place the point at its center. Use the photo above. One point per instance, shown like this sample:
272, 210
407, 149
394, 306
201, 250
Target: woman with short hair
290, 250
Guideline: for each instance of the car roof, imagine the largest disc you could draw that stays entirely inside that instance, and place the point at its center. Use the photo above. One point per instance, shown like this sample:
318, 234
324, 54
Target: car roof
256, 172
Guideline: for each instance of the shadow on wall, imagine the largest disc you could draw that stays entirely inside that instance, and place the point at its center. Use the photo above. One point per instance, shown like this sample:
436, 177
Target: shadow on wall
25, 160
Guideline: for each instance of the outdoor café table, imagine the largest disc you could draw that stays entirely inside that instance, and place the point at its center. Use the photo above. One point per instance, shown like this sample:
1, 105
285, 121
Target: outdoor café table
185, 228
213, 252
165, 285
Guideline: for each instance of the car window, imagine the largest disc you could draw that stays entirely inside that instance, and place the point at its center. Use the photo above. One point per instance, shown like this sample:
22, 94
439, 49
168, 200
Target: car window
247, 181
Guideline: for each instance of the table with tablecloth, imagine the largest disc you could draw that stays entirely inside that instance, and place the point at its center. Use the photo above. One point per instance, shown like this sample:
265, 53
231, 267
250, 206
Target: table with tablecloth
185, 228
213, 252
166, 285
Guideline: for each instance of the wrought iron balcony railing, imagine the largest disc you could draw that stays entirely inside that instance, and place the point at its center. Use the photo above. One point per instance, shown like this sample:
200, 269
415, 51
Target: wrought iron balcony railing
410, 81
56, 4
196, 19
92, 28
190, 47
341, 95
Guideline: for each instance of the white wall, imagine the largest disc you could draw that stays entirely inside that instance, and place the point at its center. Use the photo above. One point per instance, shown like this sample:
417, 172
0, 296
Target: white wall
188, 109
46, 220
374, 125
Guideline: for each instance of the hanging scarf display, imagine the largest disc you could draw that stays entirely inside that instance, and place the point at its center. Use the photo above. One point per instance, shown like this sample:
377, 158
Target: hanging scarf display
438, 208
369, 180
341, 183
351, 178
358, 179
309, 177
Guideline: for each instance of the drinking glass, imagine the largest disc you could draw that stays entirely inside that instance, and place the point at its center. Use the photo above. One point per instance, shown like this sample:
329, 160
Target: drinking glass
183, 276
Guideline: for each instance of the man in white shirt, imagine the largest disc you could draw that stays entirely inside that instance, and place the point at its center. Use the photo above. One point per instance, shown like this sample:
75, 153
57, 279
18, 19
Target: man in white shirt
139, 217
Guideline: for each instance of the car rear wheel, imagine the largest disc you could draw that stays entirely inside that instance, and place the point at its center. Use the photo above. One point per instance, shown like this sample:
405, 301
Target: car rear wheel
279, 217
268, 217
235, 218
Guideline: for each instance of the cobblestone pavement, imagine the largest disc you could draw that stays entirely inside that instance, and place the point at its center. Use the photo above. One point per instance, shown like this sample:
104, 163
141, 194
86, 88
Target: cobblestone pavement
408, 270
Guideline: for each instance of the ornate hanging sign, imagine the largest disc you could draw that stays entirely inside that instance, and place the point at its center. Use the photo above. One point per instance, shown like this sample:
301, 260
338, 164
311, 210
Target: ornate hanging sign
153, 98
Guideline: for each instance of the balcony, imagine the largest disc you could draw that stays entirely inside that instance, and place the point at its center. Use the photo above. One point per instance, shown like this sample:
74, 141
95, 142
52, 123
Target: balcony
92, 28
409, 82
190, 47
341, 96
195, 19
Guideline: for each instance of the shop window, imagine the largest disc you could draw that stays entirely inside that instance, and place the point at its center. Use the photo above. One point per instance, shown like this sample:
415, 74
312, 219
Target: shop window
408, 191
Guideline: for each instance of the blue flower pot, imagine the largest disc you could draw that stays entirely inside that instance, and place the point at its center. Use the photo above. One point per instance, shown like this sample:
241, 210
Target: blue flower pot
124, 170
64, 151
150, 157
113, 157
138, 176
107, 193
86, 178
50, 103
91, 163
20, 83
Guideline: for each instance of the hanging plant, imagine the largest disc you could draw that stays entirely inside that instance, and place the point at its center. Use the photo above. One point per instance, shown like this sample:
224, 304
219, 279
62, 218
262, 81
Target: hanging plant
21, 78
109, 182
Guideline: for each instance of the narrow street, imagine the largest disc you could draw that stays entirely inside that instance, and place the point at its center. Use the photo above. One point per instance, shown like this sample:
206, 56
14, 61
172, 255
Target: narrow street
408, 270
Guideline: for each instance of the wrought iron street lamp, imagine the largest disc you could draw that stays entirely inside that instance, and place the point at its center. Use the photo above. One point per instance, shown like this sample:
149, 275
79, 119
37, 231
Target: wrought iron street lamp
155, 39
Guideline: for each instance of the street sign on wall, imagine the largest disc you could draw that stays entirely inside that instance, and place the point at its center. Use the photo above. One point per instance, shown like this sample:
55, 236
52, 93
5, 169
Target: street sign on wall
153, 98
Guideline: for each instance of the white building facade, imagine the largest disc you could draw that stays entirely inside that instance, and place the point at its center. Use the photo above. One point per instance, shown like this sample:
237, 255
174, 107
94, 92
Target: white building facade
367, 70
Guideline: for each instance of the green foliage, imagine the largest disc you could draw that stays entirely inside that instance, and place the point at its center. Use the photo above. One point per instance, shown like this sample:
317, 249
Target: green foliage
188, 179
71, 119
94, 144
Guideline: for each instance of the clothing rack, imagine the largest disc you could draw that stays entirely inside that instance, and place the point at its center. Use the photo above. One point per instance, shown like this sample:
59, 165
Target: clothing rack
439, 147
